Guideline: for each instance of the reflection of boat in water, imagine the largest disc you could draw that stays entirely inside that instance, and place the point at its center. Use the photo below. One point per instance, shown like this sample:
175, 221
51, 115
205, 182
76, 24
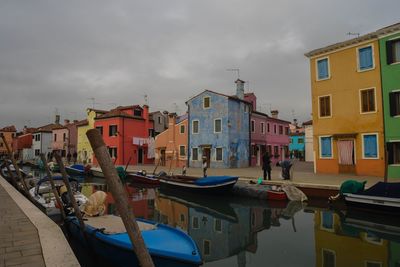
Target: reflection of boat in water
220, 206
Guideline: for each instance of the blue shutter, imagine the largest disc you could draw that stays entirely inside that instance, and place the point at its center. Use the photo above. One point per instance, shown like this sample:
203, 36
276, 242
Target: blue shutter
323, 68
365, 58
370, 146
326, 148
327, 220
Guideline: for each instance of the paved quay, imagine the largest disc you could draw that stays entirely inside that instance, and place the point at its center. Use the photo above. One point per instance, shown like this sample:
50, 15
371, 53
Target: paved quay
302, 174
27, 236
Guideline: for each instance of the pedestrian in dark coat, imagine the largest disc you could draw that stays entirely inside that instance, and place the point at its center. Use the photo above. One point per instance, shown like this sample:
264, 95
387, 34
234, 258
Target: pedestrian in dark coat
266, 165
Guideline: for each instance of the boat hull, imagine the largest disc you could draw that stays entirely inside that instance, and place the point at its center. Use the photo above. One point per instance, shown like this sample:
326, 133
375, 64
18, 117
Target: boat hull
142, 179
118, 256
276, 195
373, 203
224, 188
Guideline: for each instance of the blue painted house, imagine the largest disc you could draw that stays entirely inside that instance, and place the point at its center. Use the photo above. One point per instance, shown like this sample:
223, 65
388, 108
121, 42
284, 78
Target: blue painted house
219, 129
297, 146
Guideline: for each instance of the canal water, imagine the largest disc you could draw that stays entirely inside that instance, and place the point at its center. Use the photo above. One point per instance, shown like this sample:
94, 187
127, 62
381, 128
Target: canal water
233, 231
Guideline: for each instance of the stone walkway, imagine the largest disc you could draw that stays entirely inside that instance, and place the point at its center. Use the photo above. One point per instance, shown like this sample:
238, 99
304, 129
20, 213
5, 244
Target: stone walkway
19, 239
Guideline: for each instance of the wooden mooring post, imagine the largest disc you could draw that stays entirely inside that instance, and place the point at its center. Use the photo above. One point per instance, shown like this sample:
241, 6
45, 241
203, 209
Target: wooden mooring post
120, 197
16, 167
64, 174
53, 186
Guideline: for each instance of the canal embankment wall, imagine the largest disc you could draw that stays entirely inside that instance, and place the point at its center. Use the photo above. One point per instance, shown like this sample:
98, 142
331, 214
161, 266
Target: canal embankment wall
27, 236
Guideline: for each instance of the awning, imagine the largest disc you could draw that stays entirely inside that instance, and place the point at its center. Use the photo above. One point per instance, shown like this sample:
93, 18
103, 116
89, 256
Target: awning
345, 135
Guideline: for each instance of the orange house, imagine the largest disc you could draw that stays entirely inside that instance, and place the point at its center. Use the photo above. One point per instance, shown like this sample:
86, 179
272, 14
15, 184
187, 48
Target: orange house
9, 133
171, 145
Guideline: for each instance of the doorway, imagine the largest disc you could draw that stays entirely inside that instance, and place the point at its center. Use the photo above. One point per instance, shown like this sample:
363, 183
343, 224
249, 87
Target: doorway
140, 156
346, 156
162, 163
207, 153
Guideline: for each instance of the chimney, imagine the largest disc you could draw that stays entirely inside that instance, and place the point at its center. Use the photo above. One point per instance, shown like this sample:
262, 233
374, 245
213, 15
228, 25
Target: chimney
66, 122
274, 114
57, 119
240, 88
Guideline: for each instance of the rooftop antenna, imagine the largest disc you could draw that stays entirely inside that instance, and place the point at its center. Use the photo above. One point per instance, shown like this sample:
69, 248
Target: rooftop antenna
93, 101
353, 34
237, 70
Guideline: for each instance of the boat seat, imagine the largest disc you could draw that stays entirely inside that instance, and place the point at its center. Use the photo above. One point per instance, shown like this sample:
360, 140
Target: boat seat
113, 224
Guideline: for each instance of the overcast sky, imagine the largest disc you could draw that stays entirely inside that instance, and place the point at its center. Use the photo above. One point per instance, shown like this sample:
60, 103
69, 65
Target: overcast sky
59, 54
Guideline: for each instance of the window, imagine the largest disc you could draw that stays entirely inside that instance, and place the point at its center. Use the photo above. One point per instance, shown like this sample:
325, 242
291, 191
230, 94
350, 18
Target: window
373, 264
276, 151
64, 137
100, 129
328, 258
137, 112
274, 128
37, 137
55, 137
218, 154
112, 130
286, 130
182, 152
269, 149
393, 152
182, 217
367, 100
280, 129
37, 152
195, 127
300, 141
370, 146
206, 102
267, 127
327, 220
217, 126
112, 151
195, 223
218, 225
254, 150
325, 106
325, 146
159, 119
322, 69
262, 126
365, 58
151, 132
206, 247
195, 153
182, 129
393, 51
253, 127
394, 99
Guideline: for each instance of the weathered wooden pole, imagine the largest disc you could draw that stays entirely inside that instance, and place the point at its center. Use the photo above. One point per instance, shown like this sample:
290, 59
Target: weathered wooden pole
64, 174
53, 186
120, 197
14, 162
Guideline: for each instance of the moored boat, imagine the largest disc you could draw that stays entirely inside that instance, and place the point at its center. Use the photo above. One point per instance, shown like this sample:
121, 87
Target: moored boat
76, 169
209, 184
107, 236
275, 193
142, 178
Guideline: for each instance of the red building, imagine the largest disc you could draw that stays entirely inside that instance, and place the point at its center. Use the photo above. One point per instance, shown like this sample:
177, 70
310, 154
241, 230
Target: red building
126, 131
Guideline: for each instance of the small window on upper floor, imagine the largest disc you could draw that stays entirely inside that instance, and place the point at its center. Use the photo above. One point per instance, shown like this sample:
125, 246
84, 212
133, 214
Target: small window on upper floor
393, 51
323, 69
217, 125
367, 100
137, 112
182, 129
365, 58
324, 106
253, 127
394, 100
206, 102
280, 129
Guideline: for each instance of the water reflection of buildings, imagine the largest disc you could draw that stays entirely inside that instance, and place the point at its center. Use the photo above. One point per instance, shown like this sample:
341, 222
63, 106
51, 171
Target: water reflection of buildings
140, 199
221, 231
338, 243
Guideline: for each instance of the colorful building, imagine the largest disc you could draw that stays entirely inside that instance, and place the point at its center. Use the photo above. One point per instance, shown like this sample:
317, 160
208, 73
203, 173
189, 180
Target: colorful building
126, 131
160, 121
297, 146
9, 133
42, 139
171, 144
22, 144
389, 46
308, 140
219, 129
84, 150
347, 107
60, 140
72, 136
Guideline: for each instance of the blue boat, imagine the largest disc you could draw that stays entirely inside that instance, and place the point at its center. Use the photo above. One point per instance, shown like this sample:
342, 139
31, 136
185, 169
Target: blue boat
76, 169
107, 236
204, 185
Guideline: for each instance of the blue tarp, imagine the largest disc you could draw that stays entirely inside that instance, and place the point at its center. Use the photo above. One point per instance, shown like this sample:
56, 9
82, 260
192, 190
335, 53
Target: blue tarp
215, 180
382, 189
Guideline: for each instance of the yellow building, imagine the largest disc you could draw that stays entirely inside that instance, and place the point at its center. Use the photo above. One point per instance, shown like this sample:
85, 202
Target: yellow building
172, 212
84, 150
347, 107
335, 247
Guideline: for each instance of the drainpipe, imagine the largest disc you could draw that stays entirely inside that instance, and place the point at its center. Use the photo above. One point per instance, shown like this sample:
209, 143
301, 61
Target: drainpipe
189, 129
385, 177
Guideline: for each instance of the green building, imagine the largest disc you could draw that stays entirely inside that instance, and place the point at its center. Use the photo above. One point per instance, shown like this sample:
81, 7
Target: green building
390, 68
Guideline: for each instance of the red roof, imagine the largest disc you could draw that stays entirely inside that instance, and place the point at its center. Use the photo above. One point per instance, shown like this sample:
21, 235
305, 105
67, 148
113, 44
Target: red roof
8, 129
48, 128
118, 113
269, 117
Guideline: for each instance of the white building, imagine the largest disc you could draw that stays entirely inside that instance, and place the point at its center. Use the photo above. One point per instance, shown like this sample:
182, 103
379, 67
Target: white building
42, 139
308, 135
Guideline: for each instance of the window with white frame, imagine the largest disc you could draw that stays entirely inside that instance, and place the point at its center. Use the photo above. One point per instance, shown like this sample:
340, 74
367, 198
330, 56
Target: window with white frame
325, 146
394, 103
217, 125
275, 129
365, 58
370, 146
323, 69
328, 258
262, 125
206, 247
324, 104
182, 151
217, 225
112, 151
367, 100
393, 51
112, 130
373, 264
218, 154
195, 153
182, 129
206, 102
195, 222
393, 153
268, 130
253, 127
195, 127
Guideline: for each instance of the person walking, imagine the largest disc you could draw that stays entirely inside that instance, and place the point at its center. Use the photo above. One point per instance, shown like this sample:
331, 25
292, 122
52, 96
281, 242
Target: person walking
204, 167
266, 165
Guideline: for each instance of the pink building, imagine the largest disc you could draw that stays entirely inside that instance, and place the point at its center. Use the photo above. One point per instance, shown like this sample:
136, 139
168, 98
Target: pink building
60, 140
268, 134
